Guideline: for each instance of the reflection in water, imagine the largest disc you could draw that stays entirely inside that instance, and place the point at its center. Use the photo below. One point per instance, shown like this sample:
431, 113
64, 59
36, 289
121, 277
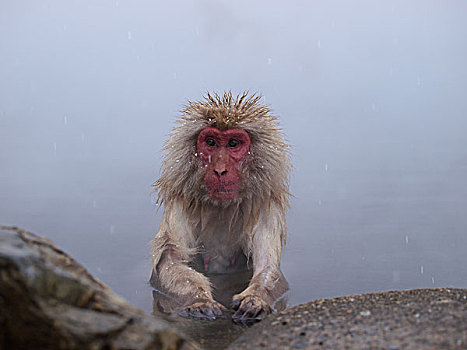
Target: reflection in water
209, 334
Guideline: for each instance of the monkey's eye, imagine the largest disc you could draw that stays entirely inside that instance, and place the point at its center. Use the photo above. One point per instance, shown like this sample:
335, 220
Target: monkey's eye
210, 142
233, 143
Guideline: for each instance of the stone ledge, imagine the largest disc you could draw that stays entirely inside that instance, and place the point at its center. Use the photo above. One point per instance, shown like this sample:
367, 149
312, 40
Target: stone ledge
49, 301
410, 319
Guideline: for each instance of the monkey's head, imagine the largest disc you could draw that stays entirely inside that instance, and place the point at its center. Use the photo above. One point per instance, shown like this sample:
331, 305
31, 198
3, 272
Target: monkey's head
222, 152
225, 150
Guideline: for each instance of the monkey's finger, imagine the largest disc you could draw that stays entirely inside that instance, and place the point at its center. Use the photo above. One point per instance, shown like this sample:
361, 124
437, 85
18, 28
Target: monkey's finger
201, 315
235, 304
244, 318
183, 313
221, 307
251, 305
207, 310
218, 312
251, 311
218, 309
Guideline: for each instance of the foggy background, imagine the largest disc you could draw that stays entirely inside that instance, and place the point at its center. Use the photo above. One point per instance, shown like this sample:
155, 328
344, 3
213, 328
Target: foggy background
372, 96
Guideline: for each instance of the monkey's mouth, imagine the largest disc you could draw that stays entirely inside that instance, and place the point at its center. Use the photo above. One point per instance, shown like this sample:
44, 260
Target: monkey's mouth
223, 194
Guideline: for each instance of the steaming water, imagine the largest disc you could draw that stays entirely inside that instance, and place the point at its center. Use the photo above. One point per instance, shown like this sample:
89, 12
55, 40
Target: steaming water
372, 97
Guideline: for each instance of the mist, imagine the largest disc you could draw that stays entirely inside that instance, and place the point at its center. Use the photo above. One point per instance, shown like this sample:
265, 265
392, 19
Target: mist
370, 94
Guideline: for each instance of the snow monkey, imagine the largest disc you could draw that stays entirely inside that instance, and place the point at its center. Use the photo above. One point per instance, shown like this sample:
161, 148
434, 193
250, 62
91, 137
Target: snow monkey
224, 186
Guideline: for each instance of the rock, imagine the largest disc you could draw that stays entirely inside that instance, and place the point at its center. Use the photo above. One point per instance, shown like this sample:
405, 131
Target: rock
49, 301
412, 319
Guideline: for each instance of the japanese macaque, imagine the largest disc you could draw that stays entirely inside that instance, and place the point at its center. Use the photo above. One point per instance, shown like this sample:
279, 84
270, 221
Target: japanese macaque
224, 186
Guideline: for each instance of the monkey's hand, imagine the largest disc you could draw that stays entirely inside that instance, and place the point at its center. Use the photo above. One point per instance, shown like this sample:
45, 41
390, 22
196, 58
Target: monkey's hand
203, 309
250, 308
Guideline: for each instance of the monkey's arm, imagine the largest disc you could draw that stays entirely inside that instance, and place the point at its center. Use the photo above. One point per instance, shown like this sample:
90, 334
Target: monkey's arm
172, 249
268, 282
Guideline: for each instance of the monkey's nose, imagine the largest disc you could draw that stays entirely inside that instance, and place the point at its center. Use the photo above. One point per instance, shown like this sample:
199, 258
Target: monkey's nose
220, 171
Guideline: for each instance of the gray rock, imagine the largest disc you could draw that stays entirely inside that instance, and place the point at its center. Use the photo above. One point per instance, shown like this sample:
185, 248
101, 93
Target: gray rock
412, 319
49, 301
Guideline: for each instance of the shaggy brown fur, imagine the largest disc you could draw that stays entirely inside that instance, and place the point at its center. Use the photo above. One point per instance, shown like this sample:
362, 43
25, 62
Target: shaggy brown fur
194, 226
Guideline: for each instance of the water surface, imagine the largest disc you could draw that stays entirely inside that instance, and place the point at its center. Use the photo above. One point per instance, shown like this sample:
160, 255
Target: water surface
371, 96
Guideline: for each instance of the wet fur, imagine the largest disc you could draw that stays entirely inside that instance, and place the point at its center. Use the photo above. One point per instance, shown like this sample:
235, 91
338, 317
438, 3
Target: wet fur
252, 224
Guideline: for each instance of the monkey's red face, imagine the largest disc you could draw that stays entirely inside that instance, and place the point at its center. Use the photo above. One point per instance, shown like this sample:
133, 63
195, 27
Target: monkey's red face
221, 153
